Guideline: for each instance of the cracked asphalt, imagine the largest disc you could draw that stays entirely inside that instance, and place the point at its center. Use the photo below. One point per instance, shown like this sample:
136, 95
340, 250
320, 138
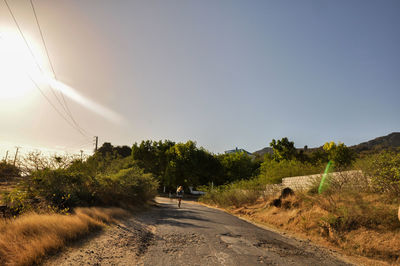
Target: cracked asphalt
197, 235
191, 235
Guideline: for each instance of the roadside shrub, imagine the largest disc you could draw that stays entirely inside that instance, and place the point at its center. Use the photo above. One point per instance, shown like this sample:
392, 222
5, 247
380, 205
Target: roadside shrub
8, 171
63, 188
18, 201
235, 194
128, 185
384, 171
352, 210
272, 171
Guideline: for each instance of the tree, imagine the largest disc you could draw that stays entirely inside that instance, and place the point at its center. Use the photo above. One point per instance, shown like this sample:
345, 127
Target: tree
319, 156
237, 166
118, 151
190, 166
152, 156
339, 154
283, 149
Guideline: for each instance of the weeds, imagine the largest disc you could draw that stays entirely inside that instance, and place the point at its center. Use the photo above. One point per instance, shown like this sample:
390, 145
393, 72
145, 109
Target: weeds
28, 238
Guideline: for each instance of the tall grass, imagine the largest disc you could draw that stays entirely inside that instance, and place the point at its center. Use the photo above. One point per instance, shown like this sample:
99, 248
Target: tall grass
358, 222
28, 238
234, 194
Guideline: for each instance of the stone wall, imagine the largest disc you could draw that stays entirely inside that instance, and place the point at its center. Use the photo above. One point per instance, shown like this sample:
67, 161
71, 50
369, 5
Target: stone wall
305, 182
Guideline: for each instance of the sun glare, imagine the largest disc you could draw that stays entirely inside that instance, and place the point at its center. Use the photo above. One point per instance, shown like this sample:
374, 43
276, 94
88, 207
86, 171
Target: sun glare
18, 68
16, 65
87, 103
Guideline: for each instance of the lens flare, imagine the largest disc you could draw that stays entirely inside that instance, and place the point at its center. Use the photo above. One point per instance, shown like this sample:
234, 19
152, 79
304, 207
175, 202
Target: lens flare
324, 184
87, 103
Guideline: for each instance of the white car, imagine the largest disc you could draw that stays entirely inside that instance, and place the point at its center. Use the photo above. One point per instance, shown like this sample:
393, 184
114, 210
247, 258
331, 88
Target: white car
195, 192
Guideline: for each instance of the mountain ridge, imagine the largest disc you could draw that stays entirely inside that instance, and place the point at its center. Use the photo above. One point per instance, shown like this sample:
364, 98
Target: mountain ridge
389, 141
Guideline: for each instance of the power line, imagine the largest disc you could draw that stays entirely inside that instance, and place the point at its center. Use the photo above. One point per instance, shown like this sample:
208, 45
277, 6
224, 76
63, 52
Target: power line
68, 111
52, 105
30, 50
58, 111
36, 85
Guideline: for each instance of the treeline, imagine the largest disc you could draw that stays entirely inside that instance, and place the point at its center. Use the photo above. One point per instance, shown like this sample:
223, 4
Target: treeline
380, 172
116, 174
186, 164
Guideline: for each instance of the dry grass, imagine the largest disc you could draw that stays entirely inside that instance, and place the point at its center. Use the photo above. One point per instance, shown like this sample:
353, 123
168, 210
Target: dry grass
28, 238
358, 224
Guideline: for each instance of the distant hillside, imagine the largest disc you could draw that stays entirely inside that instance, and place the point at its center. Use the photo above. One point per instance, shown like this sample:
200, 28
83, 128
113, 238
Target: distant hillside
263, 151
386, 142
390, 141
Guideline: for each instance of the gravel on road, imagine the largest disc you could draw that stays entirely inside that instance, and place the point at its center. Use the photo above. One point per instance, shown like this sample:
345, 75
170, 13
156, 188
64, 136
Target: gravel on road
191, 235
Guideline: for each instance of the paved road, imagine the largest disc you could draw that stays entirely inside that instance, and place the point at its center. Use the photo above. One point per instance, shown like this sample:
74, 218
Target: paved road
197, 235
191, 235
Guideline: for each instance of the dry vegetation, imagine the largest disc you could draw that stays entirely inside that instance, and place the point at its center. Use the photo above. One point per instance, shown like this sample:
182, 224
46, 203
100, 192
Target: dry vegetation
361, 224
355, 212
28, 238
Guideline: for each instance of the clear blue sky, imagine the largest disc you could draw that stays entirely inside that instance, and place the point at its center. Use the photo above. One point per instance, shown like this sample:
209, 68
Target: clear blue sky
223, 73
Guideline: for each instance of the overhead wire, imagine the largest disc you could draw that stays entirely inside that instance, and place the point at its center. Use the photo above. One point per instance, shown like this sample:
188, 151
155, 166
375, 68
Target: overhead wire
38, 65
68, 111
55, 108
29, 48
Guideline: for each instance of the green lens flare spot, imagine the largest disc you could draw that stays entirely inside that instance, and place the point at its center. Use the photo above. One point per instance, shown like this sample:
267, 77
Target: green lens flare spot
324, 184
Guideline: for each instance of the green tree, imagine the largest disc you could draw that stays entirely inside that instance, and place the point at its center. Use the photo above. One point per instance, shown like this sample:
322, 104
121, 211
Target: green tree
237, 166
152, 156
339, 154
283, 149
319, 156
190, 166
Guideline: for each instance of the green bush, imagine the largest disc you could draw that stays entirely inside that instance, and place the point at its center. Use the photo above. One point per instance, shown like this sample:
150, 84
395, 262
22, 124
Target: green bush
63, 188
18, 200
234, 194
272, 171
130, 185
384, 171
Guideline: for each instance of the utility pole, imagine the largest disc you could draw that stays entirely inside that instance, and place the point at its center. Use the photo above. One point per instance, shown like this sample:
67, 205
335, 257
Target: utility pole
16, 154
5, 160
97, 141
81, 155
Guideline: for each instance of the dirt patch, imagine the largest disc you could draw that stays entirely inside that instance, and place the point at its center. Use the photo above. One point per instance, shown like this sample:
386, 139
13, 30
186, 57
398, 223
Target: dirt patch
121, 244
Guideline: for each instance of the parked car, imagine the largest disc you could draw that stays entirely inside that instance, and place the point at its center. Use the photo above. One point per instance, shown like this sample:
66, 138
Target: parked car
195, 192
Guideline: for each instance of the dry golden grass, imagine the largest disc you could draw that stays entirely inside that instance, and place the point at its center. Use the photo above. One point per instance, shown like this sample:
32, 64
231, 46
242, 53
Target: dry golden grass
361, 224
28, 238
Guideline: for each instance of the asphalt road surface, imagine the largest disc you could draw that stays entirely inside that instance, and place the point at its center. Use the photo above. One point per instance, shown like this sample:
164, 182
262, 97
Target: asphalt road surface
192, 235
197, 235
